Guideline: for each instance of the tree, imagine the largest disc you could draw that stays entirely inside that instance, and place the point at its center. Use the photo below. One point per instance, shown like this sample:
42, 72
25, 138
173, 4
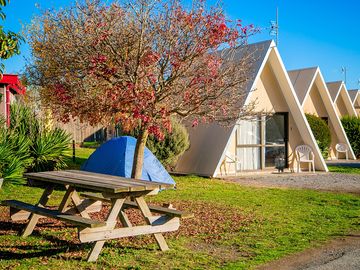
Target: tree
9, 41
139, 63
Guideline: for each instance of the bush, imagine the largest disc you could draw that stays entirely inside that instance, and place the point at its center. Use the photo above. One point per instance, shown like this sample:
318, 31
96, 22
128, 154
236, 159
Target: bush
14, 153
168, 150
28, 146
321, 133
351, 125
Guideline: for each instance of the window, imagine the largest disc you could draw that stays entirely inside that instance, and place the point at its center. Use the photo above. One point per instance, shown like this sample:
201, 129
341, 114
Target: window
261, 140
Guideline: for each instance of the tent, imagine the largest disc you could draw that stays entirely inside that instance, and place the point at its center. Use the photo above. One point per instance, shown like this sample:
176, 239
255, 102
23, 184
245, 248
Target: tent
115, 157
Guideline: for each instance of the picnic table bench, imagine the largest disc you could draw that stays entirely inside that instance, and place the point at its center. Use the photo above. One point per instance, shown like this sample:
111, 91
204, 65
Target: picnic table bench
121, 193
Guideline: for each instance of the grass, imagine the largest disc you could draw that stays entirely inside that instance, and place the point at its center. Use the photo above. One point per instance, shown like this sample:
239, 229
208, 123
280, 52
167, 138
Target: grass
235, 227
343, 169
81, 155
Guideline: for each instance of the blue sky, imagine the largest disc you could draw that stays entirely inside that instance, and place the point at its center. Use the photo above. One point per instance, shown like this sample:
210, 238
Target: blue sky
312, 32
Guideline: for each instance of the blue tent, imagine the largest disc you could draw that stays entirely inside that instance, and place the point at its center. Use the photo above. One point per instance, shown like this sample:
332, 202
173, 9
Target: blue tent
116, 157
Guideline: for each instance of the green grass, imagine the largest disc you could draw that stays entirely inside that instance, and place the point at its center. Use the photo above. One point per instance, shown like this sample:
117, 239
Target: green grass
273, 223
343, 169
90, 144
81, 155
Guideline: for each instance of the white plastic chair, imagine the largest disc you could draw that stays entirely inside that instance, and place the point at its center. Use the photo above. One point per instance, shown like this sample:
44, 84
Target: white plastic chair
231, 159
341, 148
304, 154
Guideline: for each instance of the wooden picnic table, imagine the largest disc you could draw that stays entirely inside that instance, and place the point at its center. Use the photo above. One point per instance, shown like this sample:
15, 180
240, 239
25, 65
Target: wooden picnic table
116, 190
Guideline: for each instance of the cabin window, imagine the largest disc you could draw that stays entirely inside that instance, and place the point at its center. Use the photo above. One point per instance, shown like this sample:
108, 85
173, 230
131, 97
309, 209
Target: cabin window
260, 140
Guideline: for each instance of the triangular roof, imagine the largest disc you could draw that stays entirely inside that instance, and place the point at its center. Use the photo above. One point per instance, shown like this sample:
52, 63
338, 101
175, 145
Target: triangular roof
353, 95
193, 159
303, 81
210, 141
334, 89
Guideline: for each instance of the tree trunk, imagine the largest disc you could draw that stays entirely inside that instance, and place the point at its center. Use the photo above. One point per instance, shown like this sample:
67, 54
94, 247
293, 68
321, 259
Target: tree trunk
139, 154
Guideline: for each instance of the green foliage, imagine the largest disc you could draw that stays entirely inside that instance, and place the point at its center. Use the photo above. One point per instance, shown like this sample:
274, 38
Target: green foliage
47, 147
171, 147
174, 144
9, 41
27, 146
351, 125
3, 3
14, 153
321, 133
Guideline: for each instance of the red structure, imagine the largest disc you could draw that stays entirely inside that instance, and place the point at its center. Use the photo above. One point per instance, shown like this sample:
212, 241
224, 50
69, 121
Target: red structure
10, 87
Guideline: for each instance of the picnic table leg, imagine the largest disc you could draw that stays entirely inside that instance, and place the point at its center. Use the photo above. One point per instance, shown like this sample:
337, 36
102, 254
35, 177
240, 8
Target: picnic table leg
34, 217
66, 199
147, 214
124, 219
77, 202
110, 224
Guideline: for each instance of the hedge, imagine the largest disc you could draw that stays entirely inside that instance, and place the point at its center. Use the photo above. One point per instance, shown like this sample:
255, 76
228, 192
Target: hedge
351, 125
321, 132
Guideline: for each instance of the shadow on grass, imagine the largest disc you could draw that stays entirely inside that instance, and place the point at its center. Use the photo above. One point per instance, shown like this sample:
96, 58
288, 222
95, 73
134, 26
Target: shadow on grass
58, 246
34, 250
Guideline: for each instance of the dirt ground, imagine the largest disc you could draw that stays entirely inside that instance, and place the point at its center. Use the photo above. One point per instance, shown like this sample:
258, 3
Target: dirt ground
335, 182
341, 253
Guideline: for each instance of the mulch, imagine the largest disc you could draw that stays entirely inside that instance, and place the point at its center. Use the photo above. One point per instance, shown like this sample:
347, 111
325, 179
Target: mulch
209, 224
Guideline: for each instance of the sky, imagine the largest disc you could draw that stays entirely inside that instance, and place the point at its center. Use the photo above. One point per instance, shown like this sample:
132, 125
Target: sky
311, 32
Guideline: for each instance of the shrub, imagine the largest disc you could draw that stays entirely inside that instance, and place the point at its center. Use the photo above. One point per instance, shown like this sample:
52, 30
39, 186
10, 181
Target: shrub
321, 132
28, 146
351, 125
14, 153
47, 146
171, 147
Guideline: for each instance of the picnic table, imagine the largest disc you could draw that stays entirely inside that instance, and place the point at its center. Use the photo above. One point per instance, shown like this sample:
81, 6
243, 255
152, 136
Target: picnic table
120, 192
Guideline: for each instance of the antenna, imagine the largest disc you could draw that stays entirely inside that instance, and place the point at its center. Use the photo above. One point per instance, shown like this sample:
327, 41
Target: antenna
344, 70
274, 27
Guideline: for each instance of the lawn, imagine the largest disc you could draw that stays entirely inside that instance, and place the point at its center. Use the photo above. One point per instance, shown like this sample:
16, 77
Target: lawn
342, 169
235, 227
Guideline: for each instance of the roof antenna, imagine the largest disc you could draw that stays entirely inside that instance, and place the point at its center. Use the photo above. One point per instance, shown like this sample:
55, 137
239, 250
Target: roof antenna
274, 27
344, 70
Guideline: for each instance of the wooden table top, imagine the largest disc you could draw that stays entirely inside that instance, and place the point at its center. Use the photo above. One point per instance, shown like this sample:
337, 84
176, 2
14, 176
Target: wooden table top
96, 181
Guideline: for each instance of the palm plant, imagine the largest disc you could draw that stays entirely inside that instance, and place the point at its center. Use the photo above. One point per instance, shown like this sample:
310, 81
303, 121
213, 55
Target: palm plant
28, 146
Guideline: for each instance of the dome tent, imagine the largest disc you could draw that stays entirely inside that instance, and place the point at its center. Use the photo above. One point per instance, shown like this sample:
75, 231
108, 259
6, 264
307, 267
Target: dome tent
115, 157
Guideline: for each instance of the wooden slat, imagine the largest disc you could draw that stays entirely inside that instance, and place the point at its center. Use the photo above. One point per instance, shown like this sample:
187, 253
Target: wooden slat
91, 207
162, 224
76, 182
96, 179
76, 220
153, 208
130, 180
104, 179
102, 182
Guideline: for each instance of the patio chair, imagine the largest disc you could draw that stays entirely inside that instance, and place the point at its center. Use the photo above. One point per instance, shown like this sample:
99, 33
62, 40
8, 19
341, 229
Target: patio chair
342, 148
304, 154
231, 159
